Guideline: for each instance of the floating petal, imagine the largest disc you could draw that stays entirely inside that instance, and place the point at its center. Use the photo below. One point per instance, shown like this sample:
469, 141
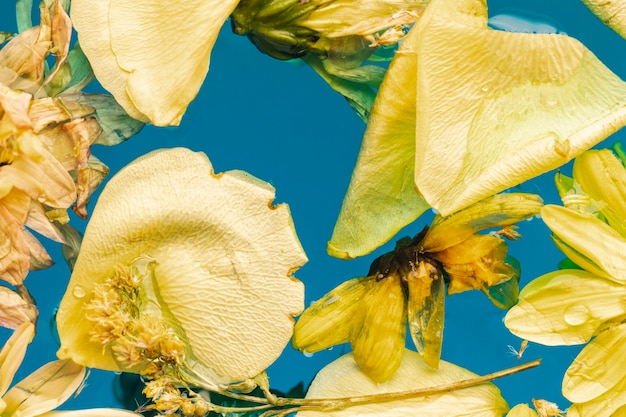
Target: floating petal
566, 307
222, 257
151, 55
516, 105
611, 12
342, 378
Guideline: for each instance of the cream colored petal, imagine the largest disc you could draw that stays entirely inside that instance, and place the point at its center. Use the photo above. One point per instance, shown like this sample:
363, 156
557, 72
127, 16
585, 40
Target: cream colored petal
597, 242
565, 307
342, 378
521, 410
14, 312
611, 12
13, 352
598, 367
151, 55
603, 178
382, 181
45, 389
515, 106
224, 257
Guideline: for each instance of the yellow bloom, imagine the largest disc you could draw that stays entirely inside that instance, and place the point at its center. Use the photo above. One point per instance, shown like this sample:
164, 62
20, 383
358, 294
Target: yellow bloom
573, 306
460, 129
408, 284
612, 13
46, 388
183, 273
342, 378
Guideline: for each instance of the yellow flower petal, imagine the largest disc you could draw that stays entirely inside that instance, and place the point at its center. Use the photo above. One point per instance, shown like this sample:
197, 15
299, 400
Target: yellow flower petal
521, 410
45, 389
495, 211
610, 404
598, 367
603, 178
566, 307
382, 181
515, 106
151, 55
600, 246
92, 412
611, 12
342, 378
379, 343
224, 258
13, 352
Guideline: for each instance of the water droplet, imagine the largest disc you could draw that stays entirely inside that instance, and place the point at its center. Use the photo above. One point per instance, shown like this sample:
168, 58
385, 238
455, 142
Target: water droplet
484, 89
307, 354
331, 348
576, 314
78, 291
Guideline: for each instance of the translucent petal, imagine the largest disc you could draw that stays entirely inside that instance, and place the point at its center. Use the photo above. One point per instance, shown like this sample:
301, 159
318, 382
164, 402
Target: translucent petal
425, 311
612, 13
521, 410
566, 307
382, 181
592, 238
598, 367
151, 55
609, 404
343, 378
520, 104
45, 389
224, 258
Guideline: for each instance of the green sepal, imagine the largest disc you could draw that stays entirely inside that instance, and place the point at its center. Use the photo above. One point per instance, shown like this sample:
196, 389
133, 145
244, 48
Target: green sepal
505, 294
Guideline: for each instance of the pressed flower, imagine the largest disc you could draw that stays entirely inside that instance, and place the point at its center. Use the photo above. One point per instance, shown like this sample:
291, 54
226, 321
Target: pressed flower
343, 378
408, 284
183, 274
584, 305
46, 388
46, 130
521, 104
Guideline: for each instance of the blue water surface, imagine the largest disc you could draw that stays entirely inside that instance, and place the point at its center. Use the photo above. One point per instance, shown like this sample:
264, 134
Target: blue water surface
280, 122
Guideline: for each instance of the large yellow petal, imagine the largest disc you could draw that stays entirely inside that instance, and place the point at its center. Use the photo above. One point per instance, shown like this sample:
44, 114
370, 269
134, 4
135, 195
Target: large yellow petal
151, 55
598, 367
92, 412
566, 307
342, 378
597, 244
611, 12
224, 258
610, 404
522, 410
498, 108
382, 181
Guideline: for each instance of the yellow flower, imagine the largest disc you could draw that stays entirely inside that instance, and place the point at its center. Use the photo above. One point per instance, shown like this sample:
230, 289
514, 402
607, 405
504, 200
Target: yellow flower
568, 307
46, 388
460, 129
408, 284
184, 274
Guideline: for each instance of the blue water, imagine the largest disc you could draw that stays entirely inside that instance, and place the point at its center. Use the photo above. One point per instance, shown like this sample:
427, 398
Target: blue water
280, 122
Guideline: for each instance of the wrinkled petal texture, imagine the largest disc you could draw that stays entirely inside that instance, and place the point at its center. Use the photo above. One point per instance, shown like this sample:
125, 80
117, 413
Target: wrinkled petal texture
151, 55
224, 257
497, 108
342, 378
382, 181
13, 352
612, 13
566, 307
